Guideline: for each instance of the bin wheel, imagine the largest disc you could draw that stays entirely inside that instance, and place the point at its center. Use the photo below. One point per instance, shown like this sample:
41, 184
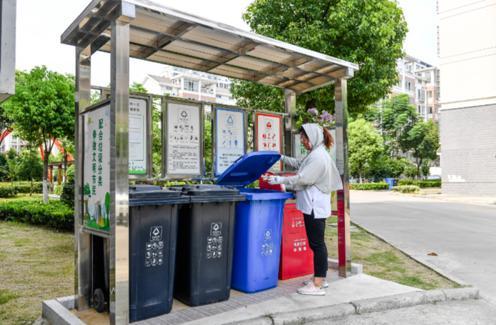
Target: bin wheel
99, 300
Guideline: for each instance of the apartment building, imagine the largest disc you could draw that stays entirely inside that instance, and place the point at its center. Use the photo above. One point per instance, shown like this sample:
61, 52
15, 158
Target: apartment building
467, 52
12, 142
190, 84
420, 81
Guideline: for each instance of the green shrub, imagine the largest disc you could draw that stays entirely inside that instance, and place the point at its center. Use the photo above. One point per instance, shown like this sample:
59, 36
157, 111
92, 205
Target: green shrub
24, 187
7, 191
410, 171
57, 189
369, 186
67, 195
37, 187
407, 189
55, 214
422, 183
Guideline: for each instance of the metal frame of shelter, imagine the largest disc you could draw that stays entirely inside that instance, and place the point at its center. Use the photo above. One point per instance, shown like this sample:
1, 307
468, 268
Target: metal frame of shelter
145, 30
7, 48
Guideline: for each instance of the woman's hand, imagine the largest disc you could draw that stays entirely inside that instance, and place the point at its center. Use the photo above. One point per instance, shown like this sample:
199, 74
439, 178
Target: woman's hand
274, 180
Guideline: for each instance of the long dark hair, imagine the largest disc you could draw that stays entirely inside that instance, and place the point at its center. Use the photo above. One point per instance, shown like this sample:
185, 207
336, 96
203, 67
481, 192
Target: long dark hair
328, 140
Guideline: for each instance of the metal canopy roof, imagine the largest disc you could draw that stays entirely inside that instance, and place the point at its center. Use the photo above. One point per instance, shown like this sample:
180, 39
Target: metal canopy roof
168, 36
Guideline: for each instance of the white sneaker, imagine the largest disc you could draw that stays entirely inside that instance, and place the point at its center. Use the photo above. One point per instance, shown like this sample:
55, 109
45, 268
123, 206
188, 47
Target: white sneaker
311, 290
324, 285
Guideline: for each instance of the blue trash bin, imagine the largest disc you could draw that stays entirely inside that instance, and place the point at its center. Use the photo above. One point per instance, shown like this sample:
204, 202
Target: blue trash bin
258, 226
391, 182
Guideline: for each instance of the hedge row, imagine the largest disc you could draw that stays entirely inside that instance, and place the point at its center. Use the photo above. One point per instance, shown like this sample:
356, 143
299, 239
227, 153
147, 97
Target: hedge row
55, 214
25, 188
7, 192
422, 183
369, 186
407, 189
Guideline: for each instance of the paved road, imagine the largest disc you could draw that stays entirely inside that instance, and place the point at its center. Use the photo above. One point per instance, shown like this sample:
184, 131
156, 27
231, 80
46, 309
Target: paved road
471, 312
463, 236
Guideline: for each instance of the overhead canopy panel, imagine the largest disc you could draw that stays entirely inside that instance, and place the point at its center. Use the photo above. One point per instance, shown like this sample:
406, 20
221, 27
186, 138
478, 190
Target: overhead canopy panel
168, 36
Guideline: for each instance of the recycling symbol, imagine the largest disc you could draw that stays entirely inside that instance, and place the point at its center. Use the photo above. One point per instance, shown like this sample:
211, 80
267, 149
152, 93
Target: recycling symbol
184, 114
156, 233
230, 120
216, 229
269, 125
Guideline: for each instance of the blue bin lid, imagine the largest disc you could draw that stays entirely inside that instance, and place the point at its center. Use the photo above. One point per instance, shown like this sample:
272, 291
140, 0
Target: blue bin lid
248, 168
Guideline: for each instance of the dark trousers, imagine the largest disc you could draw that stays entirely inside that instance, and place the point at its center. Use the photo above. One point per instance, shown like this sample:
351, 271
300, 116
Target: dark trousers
315, 232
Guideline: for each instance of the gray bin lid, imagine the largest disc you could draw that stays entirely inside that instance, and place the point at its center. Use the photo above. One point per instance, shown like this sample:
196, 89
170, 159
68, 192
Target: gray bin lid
205, 193
149, 195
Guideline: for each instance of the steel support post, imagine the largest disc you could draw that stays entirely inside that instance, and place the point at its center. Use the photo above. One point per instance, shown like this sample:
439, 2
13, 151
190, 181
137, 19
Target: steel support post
119, 183
7, 48
344, 238
82, 276
290, 120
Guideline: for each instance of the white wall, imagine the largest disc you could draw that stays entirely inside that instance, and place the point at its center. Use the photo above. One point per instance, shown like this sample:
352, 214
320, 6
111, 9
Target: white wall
467, 32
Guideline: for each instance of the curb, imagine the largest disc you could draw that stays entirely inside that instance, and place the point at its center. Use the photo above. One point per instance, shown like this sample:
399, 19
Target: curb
56, 311
364, 306
426, 264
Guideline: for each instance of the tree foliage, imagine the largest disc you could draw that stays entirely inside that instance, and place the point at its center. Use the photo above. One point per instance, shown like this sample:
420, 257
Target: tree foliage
423, 142
369, 33
365, 146
397, 119
137, 87
28, 166
404, 134
42, 110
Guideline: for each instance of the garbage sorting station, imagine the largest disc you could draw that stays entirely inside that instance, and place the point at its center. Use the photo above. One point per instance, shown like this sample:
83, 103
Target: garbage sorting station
113, 140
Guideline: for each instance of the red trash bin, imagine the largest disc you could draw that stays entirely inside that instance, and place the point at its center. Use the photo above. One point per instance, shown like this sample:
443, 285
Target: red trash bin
296, 255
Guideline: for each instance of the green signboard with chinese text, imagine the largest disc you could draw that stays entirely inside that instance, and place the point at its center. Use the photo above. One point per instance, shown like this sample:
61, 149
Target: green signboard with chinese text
96, 175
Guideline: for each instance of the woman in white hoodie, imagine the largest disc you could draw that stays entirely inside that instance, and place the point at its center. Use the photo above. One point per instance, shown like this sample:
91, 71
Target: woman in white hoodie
316, 178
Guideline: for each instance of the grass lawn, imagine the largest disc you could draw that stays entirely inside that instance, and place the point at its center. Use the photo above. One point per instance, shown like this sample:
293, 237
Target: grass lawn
36, 264
382, 260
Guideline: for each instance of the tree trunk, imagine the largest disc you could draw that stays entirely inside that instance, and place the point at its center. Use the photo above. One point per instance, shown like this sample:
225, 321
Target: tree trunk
419, 163
65, 167
45, 177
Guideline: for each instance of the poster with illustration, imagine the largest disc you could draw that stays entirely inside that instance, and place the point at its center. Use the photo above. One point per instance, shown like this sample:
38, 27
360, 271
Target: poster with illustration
230, 137
183, 156
96, 171
268, 135
138, 142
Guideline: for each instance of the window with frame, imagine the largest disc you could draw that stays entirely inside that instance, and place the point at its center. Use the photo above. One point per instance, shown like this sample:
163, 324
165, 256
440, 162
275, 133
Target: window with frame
190, 85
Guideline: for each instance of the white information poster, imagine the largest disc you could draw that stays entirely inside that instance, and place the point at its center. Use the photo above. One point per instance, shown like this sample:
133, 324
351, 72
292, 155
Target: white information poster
230, 136
183, 150
268, 135
137, 136
96, 172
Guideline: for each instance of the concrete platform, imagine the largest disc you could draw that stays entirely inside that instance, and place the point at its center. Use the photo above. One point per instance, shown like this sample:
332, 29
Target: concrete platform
340, 291
243, 306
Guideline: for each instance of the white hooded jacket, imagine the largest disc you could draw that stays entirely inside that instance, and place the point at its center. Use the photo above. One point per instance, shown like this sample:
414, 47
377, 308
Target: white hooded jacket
317, 172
